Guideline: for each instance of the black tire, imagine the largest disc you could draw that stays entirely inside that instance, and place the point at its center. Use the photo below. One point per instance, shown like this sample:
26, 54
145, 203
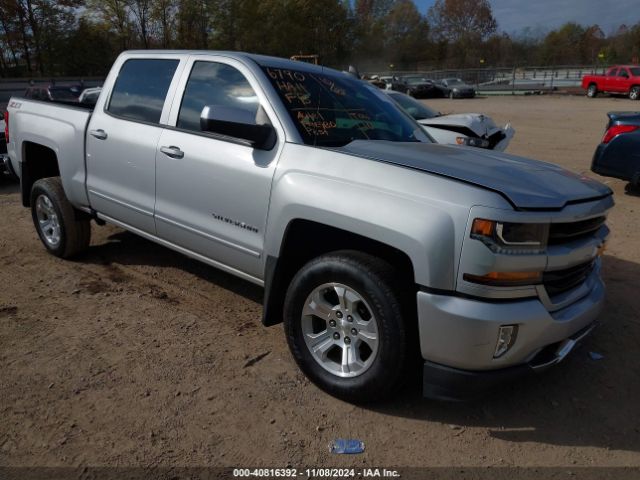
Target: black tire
634, 93
377, 283
74, 226
592, 90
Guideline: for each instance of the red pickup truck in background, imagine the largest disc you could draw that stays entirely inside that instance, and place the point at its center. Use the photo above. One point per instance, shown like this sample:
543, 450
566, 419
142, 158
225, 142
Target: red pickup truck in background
618, 79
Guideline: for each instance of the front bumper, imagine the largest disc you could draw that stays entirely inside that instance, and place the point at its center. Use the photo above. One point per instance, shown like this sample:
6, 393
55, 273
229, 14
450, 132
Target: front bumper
452, 384
458, 338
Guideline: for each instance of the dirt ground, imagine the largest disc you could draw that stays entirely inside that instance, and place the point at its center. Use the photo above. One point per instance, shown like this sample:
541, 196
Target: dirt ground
134, 355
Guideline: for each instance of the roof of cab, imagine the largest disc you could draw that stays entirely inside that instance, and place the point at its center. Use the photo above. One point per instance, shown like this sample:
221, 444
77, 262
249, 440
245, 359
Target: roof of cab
262, 60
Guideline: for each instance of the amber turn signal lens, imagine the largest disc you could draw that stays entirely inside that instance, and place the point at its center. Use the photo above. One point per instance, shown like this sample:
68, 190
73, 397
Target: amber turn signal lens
505, 279
483, 227
601, 249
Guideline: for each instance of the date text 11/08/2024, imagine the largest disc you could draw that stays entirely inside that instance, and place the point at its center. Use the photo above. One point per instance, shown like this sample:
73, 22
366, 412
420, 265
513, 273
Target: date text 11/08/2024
315, 473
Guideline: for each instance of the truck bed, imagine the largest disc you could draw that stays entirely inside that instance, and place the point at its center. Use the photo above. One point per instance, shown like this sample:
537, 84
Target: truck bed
60, 126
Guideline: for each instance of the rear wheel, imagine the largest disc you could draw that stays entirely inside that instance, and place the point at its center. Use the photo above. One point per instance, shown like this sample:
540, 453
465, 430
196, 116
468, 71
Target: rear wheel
592, 91
63, 230
634, 93
345, 326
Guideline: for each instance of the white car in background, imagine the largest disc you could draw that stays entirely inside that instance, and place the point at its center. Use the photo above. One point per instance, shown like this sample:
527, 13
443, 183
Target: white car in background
471, 129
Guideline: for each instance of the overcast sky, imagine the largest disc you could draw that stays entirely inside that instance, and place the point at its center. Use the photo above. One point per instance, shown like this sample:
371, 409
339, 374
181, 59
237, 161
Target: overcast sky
514, 15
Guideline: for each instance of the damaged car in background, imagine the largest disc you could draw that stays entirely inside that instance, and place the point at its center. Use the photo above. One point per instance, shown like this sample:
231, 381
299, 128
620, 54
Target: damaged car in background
471, 129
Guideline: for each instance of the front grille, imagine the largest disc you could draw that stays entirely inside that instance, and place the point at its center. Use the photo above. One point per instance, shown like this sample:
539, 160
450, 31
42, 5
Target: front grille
559, 281
567, 232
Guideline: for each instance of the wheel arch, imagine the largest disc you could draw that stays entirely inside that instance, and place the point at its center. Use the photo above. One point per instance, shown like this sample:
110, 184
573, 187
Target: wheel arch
38, 161
306, 239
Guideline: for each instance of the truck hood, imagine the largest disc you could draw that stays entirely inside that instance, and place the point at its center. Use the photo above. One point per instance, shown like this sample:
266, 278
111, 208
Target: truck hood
527, 184
478, 123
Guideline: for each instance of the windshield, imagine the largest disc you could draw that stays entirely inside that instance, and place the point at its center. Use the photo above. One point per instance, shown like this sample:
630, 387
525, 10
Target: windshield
454, 81
413, 107
334, 109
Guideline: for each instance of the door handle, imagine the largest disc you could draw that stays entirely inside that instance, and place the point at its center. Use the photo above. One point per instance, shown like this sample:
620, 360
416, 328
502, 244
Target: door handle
173, 152
99, 134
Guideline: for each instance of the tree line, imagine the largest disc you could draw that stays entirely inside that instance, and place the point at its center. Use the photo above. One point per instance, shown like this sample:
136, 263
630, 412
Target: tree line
83, 37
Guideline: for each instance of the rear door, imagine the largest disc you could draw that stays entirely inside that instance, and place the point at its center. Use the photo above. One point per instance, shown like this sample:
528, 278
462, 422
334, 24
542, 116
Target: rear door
213, 192
122, 138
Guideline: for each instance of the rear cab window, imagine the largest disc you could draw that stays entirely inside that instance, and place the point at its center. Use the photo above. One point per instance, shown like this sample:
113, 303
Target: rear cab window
141, 88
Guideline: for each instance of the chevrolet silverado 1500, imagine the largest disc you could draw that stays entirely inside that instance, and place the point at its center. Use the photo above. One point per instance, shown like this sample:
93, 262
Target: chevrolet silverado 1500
371, 242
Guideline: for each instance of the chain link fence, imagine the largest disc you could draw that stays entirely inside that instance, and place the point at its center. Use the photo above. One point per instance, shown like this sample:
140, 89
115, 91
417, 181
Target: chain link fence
513, 80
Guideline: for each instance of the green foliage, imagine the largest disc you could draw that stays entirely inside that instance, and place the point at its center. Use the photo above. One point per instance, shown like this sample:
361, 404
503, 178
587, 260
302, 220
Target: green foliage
83, 37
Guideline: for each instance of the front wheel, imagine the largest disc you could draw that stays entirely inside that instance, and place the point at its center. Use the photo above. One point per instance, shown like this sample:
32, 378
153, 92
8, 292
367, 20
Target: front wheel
345, 325
64, 231
634, 93
592, 91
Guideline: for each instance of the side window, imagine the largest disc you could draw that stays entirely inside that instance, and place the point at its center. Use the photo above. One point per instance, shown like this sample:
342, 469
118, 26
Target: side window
141, 88
613, 72
214, 84
623, 73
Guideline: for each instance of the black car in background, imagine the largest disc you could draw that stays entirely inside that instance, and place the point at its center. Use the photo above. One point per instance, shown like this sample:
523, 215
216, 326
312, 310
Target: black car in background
456, 88
55, 93
618, 154
394, 83
420, 87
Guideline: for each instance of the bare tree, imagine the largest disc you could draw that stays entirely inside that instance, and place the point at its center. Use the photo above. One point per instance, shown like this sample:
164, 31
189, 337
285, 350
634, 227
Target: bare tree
455, 20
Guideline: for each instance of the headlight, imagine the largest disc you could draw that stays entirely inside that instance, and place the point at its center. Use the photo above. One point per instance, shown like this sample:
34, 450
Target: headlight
473, 142
511, 238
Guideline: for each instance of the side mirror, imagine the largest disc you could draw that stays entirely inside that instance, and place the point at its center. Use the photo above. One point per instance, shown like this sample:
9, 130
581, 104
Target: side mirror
238, 123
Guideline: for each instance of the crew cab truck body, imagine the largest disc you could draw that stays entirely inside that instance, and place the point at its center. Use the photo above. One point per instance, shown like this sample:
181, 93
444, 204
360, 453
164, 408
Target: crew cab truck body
371, 242
621, 79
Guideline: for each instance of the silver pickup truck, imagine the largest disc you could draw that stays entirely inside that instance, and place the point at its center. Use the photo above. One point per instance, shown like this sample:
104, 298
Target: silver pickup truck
373, 244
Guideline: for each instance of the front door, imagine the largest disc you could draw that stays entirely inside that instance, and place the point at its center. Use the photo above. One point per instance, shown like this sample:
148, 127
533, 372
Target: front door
213, 192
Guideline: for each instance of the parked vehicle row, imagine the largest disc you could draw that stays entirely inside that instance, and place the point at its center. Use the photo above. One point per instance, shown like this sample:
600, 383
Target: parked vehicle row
75, 93
419, 86
620, 79
371, 241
